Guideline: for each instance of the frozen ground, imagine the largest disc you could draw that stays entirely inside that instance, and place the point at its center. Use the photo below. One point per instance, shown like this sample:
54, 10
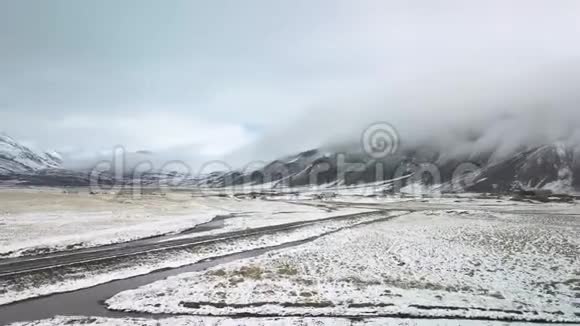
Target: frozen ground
446, 263
43, 220
280, 321
497, 203
36, 221
457, 256
250, 214
78, 276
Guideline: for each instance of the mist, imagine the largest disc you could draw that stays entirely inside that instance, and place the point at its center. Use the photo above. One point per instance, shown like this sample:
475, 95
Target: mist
256, 81
454, 113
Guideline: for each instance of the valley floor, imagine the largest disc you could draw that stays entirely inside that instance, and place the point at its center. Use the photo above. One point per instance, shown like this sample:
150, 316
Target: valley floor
43, 220
352, 260
266, 321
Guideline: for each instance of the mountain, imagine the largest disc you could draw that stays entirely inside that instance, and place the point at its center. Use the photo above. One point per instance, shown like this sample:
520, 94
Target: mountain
555, 167
17, 158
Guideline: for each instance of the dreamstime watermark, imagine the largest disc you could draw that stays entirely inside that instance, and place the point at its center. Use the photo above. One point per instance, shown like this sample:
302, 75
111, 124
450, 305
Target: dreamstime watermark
380, 140
378, 167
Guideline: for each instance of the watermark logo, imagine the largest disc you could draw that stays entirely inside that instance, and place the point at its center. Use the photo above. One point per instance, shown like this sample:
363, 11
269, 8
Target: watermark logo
380, 140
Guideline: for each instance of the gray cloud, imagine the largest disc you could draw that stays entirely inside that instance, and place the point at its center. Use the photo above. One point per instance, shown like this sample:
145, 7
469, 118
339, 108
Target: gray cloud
264, 78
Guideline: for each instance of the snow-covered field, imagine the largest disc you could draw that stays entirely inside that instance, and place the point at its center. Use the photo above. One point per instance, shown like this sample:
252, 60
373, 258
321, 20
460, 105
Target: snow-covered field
45, 220
279, 321
497, 203
454, 263
78, 277
250, 214
455, 256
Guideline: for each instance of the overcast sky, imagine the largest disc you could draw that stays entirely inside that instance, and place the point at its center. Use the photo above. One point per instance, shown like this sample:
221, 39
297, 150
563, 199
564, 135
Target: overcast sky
212, 77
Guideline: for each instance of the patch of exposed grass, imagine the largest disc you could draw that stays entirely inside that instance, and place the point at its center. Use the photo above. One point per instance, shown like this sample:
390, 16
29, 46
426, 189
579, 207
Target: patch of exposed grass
220, 272
251, 272
287, 269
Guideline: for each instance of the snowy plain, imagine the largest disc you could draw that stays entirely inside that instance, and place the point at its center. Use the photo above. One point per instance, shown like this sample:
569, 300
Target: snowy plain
45, 220
455, 263
77, 277
34, 221
456, 256
279, 321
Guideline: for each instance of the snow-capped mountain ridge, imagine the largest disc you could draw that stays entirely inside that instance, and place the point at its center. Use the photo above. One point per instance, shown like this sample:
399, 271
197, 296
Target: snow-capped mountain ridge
17, 158
553, 166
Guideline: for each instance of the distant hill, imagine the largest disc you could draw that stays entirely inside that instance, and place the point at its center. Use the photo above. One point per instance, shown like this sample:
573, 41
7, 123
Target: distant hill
17, 158
554, 166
